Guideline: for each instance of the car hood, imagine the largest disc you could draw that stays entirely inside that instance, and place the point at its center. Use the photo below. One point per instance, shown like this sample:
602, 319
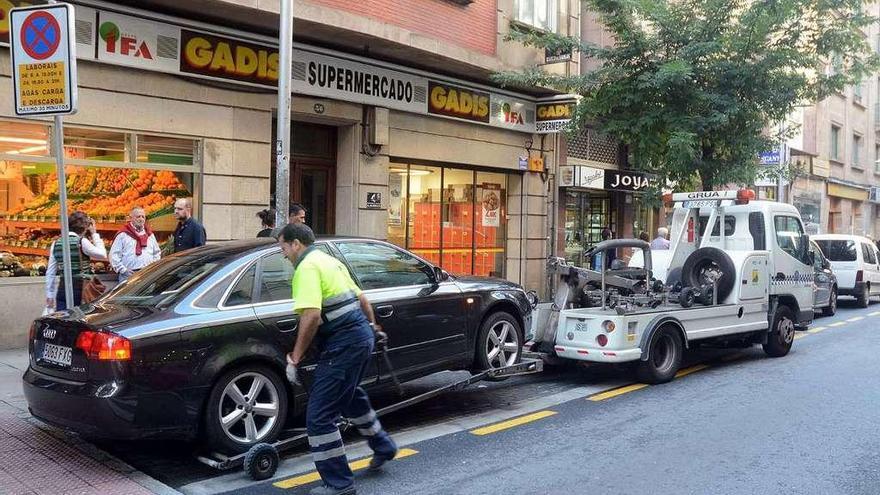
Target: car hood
485, 283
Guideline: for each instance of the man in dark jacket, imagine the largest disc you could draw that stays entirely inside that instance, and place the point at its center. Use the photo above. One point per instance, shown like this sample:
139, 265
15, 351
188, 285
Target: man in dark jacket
189, 232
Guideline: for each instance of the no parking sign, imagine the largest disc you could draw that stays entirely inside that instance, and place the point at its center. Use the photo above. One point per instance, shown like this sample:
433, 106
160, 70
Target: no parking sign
43, 59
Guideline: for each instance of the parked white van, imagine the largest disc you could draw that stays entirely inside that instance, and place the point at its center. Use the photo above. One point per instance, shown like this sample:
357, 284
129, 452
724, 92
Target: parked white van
856, 262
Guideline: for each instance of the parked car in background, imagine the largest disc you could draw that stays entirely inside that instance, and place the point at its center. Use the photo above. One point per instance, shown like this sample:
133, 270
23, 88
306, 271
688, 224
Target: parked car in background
195, 344
856, 263
825, 282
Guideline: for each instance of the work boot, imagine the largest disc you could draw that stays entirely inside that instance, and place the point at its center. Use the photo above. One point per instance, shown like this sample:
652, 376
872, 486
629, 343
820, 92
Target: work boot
329, 490
377, 461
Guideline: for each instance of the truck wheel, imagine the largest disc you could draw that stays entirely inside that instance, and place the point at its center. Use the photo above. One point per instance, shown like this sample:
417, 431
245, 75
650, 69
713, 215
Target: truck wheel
781, 333
703, 264
665, 352
499, 342
832, 304
247, 406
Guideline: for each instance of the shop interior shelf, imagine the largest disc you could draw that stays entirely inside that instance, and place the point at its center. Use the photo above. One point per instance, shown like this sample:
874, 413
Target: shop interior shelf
163, 223
24, 250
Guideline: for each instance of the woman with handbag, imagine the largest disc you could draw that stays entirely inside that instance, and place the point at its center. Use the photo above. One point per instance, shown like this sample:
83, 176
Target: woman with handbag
85, 245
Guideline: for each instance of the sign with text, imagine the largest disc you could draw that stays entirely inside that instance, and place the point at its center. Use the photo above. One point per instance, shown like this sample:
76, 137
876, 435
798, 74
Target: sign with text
125, 40
511, 113
556, 56
458, 102
43, 60
625, 180
553, 116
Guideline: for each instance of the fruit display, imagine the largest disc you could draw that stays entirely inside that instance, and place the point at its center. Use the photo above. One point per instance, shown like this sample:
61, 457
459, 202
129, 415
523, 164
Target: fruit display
106, 194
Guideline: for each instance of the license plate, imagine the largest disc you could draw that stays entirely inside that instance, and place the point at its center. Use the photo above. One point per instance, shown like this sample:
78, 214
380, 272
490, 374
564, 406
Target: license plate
57, 354
704, 203
581, 327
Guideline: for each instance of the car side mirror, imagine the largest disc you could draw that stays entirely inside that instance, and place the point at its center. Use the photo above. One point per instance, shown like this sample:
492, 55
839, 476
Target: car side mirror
440, 275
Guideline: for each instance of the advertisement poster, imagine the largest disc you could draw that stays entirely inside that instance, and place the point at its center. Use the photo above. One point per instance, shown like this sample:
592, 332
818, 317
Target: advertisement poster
395, 189
491, 205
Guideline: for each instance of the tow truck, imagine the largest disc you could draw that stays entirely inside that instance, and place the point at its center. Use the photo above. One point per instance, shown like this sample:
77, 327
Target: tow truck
738, 273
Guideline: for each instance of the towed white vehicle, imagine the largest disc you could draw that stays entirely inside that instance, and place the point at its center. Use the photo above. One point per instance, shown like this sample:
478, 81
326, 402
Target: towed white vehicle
738, 273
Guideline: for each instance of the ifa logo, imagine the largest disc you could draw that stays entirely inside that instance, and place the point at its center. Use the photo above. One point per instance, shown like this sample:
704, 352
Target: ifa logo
123, 44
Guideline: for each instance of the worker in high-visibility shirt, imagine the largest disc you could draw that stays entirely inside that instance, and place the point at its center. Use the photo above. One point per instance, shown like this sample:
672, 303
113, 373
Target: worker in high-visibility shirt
333, 309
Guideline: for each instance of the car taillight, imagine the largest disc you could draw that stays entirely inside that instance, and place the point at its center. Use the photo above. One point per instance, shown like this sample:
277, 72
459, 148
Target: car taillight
32, 333
104, 346
859, 276
602, 340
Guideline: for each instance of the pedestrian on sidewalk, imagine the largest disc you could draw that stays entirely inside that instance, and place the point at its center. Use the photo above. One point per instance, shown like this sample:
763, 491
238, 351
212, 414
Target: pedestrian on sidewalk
85, 246
189, 232
134, 247
296, 214
661, 241
267, 218
333, 309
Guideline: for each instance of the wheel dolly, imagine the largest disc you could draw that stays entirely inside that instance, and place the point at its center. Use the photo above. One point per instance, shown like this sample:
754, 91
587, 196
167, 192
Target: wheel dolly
262, 460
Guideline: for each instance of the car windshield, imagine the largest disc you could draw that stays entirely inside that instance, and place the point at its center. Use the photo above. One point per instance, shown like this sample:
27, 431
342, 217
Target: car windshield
166, 281
838, 250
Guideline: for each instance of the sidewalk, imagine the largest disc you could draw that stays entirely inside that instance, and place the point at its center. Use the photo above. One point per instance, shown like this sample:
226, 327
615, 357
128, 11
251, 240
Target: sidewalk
37, 459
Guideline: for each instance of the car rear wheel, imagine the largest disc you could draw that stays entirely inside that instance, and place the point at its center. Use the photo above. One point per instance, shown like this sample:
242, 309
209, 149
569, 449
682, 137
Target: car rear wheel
832, 304
247, 406
863, 300
499, 342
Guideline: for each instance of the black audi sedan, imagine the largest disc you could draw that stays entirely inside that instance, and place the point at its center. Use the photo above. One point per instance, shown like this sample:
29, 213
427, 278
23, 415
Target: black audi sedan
194, 345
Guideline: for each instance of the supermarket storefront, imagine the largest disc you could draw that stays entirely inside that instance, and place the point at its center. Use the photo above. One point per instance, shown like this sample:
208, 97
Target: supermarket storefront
434, 164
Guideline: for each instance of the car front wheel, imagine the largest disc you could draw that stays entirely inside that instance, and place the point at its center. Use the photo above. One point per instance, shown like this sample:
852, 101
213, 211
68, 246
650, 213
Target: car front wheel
247, 406
499, 342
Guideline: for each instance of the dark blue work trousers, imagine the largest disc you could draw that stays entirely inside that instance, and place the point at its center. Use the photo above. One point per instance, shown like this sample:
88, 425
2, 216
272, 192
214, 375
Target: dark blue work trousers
336, 392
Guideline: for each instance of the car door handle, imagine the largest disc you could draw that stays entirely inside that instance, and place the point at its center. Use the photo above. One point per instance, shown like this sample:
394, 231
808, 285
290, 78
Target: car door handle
288, 325
384, 311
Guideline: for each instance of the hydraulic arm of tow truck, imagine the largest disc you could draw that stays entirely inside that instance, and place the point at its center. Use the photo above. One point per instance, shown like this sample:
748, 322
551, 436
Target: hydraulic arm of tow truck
571, 279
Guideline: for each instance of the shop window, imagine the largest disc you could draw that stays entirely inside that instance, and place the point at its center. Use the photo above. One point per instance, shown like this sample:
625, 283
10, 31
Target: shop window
102, 181
165, 150
20, 138
457, 221
586, 215
539, 14
454, 218
92, 144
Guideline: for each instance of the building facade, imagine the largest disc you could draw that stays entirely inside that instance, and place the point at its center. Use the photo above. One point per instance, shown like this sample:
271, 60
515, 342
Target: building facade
398, 130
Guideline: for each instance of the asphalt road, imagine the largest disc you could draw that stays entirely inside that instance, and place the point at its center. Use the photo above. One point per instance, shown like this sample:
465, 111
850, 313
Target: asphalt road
735, 422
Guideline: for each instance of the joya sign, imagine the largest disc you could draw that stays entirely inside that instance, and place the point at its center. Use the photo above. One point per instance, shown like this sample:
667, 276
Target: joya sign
598, 178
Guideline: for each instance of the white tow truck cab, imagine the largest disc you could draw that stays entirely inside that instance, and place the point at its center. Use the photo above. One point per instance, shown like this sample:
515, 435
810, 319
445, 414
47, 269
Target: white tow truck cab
738, 272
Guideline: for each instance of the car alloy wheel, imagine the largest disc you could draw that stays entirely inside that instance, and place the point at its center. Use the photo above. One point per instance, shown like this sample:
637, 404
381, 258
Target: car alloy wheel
786, 330
249, 408
502, 345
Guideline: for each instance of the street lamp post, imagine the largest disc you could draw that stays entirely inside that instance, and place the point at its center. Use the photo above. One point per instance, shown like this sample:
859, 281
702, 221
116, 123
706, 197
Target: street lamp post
283, 133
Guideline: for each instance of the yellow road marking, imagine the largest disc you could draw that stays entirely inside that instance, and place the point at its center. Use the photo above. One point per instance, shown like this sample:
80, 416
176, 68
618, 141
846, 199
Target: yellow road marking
692, 369
800, 336
816, 329
837, 324
733, 357
305, 479
855, 318
510, 423
875, 313
617, 391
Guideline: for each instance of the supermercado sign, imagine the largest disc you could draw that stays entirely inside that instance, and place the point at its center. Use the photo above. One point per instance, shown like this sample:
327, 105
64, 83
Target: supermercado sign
165, 46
